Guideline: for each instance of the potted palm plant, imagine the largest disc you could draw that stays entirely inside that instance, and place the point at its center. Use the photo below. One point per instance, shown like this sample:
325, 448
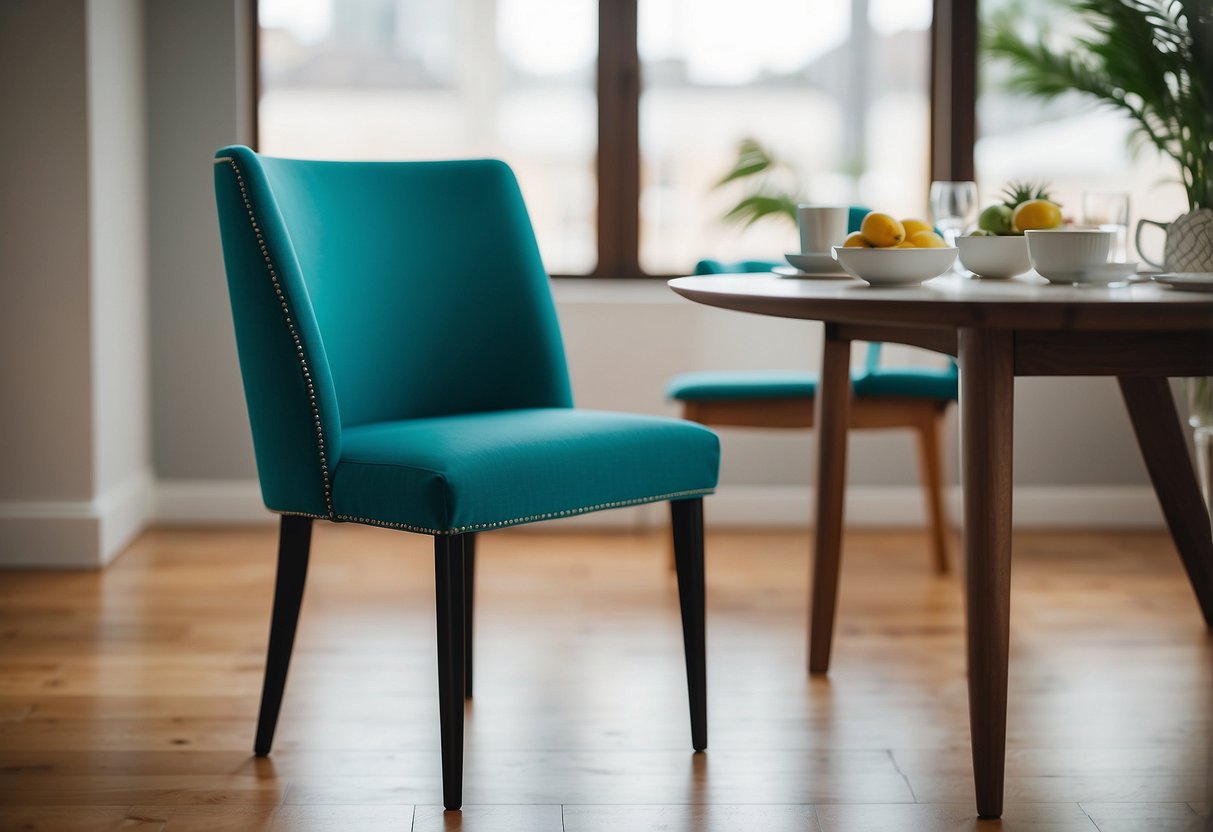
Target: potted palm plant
1153, 61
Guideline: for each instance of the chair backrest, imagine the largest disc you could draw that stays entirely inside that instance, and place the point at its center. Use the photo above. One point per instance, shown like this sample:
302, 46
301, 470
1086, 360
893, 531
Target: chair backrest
367, 292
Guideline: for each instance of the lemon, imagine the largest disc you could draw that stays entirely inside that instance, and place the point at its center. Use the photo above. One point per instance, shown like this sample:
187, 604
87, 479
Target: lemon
927, 239
912, 227
881, 230
1035, 214
855, 240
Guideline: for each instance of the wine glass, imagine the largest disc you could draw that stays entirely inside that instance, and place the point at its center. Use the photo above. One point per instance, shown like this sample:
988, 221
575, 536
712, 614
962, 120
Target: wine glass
953, 208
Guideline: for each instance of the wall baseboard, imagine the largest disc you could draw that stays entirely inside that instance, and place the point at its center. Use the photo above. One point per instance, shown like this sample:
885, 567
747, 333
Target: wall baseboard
210, 502
88, 534
207, 502
75, 534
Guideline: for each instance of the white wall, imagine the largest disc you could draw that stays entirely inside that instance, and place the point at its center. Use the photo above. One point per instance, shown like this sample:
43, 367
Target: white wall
197, 98
1075, 457
118, 253
44, 254
1076, 461
72, 265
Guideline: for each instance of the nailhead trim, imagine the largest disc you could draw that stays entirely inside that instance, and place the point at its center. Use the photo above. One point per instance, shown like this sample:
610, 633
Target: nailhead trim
551, 515
290, 325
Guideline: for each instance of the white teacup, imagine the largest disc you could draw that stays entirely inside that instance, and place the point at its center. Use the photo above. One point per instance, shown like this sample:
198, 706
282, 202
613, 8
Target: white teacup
1064, 254
821, 227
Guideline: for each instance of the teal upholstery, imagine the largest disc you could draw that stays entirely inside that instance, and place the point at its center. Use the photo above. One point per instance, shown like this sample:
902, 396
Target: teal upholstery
741, 385
401, 357
873, 381
736, 266
711, 385
403, 367
484, 470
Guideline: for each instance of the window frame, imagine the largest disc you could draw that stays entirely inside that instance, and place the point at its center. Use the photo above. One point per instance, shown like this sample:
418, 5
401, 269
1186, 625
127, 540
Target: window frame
953, 120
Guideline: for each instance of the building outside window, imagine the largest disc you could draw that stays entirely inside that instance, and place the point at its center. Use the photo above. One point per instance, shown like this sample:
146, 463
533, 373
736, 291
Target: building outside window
839, 90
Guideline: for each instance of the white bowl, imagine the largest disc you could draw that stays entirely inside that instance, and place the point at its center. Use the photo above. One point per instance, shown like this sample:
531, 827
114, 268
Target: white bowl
895, 266
1068, 251
998, 258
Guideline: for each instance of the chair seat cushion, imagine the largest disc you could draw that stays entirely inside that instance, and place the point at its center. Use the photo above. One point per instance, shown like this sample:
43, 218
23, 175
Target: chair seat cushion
909, 382
741, 384
469, 472
745, 385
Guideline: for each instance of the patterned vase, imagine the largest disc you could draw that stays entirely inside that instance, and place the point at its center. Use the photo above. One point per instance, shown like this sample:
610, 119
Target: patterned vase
1190, 242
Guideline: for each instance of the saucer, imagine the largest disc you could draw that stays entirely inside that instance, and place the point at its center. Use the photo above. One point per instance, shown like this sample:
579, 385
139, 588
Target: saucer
814, 263
797, 274
1187, 281
1101, 274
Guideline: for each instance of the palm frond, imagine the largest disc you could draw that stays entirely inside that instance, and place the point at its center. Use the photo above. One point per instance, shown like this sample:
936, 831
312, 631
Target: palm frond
755, 207
752, 158
771, 188
1152, 59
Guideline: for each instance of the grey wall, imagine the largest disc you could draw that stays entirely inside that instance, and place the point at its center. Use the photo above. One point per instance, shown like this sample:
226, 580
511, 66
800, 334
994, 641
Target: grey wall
46, 430
73, 294
197, 97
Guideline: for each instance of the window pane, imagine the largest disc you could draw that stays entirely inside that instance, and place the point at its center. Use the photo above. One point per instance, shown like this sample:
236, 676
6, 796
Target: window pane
1072, 143
424, 79
838, 90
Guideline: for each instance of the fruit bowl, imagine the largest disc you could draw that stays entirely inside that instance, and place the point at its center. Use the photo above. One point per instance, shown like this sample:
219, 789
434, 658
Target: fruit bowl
895, 266
997, 258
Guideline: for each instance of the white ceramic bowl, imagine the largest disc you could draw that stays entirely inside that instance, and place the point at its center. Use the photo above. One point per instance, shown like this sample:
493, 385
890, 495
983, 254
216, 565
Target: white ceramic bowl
998, 258
1060, 254
895, 266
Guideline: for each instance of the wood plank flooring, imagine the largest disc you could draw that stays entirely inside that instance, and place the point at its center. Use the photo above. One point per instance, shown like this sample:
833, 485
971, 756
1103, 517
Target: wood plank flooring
128, 698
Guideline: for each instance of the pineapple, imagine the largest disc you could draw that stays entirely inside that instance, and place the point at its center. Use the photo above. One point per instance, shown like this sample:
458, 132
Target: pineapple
1018, 192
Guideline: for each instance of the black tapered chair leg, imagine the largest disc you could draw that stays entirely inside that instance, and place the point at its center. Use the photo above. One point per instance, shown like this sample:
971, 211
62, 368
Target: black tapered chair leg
294, 541
469, 598
687, 516
450, 587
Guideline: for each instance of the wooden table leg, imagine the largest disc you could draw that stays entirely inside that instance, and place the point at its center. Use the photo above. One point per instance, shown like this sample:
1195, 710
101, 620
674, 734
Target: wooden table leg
1160, 437
833, 402
987, 393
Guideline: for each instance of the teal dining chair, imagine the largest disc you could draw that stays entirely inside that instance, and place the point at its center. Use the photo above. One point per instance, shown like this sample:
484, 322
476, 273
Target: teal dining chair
403, 367
884, 398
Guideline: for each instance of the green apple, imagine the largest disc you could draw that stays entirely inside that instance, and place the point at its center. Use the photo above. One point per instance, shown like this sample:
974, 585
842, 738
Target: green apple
996, 219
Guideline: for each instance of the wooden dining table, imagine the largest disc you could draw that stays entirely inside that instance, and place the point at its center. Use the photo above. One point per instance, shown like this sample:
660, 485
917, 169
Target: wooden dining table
1141, 333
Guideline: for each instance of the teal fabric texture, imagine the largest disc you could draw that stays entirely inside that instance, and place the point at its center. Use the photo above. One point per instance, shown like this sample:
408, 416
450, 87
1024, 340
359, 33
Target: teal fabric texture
450, 473
873, 381
389, 313
744, 385
736, 266
909, 383
712, 385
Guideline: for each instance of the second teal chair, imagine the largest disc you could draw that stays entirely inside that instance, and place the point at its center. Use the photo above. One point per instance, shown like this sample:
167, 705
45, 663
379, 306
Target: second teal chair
884, 397
403, 368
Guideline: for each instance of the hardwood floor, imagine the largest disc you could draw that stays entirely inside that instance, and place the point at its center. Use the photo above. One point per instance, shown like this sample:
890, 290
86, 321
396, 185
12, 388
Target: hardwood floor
128, 698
